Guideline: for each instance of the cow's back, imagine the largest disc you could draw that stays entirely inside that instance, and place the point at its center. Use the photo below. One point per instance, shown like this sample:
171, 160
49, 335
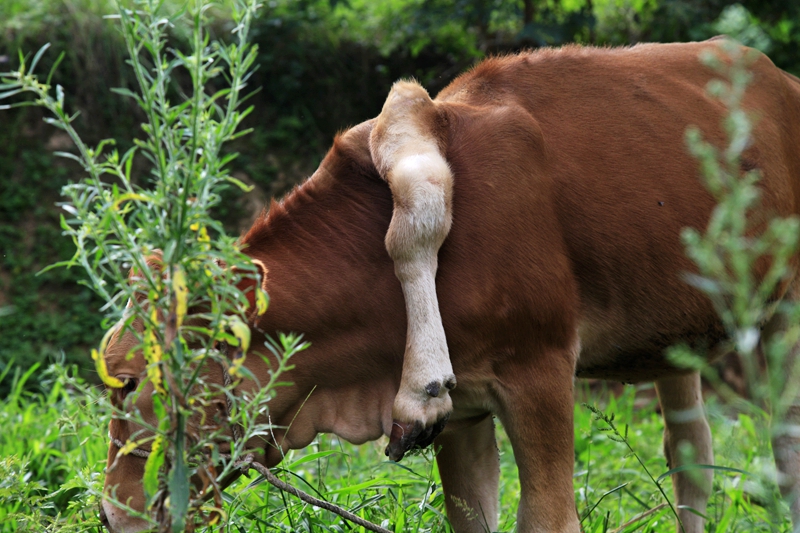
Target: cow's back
573, 182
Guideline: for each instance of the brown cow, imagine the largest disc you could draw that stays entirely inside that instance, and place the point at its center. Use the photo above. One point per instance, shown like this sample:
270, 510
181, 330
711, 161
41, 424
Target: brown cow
570, 186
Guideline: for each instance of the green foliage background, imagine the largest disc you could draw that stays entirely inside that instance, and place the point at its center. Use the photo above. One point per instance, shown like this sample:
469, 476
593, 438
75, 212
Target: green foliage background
323, 65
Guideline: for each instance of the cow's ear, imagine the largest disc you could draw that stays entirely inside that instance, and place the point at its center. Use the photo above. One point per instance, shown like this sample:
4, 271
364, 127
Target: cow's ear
351, 153
354, 144
154, 262
255, 290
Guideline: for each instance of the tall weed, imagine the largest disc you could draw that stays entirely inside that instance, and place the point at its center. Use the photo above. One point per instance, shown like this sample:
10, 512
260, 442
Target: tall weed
744, 260
184, 286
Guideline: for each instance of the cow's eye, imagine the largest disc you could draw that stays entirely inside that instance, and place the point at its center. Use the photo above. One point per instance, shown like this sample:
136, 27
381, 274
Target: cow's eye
129, 386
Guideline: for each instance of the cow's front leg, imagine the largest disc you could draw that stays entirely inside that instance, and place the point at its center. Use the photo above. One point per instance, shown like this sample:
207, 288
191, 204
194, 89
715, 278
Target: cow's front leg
469, 466
405, 146
537, 409
685, 425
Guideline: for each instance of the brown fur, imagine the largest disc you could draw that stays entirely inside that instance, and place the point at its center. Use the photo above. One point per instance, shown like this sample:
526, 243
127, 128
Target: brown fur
572, 184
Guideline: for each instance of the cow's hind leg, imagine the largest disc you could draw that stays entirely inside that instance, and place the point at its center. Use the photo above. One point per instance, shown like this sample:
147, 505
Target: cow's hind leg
785, 374
469, 466
685, 426
405, 146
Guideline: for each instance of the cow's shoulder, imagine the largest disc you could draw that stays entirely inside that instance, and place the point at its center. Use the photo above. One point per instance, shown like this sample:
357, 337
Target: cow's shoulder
575, 70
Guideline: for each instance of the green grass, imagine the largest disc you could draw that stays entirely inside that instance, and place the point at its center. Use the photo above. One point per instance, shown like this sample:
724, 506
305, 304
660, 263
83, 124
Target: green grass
53, 450
52, 453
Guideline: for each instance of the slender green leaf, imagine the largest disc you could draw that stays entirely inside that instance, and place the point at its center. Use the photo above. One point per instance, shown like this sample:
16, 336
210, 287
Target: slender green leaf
37, 57
684, 468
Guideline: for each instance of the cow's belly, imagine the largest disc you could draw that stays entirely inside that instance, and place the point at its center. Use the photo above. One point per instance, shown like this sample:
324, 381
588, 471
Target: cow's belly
631, 348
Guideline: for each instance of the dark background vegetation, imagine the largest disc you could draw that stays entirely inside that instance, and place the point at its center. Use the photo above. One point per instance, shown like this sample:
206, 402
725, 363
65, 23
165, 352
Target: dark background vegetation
323, 65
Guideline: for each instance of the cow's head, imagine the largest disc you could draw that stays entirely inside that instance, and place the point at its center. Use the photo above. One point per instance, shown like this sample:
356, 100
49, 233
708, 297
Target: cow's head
329, 278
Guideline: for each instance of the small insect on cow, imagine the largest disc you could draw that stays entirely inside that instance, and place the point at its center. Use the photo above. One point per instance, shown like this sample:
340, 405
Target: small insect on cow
532, 215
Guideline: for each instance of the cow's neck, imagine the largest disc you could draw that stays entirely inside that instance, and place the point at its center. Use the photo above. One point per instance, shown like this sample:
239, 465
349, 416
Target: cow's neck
330, 278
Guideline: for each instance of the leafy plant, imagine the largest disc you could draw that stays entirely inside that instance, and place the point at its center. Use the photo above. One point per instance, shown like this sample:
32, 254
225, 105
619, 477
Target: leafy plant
743, 262
48, 448
185, 280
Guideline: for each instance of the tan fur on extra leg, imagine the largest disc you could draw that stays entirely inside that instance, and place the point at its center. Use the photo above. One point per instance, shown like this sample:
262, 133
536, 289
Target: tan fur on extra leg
406, 150
684, 421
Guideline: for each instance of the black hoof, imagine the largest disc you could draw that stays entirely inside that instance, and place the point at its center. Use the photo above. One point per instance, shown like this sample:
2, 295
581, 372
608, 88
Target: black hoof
407, 437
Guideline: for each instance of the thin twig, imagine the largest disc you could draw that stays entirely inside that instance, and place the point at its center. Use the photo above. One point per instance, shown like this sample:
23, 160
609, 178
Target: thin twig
637, 518
282, 485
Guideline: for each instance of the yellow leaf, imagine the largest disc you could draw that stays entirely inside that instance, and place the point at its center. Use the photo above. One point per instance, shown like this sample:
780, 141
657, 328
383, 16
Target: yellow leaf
157, 443
262, 301
236, 365
129, 447
129, 196
102, 371
153, 355
107, 337
152, 349
154, 373
216, 513
203, 235
181, 292
241, 331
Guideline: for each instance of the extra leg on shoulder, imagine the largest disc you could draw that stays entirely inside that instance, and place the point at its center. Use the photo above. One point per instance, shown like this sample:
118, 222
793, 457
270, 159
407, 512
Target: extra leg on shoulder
406, 147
